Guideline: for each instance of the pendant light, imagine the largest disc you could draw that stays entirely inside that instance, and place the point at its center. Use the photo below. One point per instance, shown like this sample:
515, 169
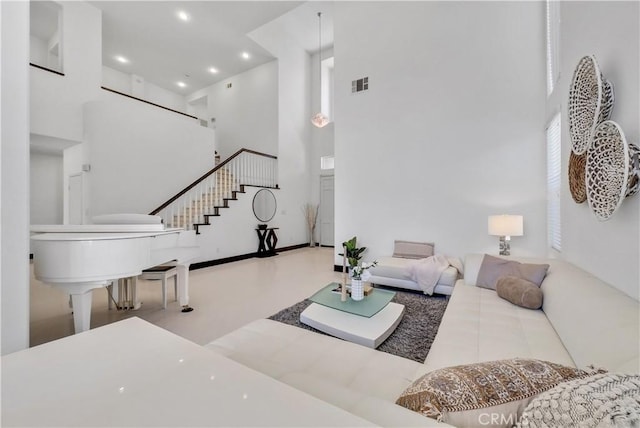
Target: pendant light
319, 119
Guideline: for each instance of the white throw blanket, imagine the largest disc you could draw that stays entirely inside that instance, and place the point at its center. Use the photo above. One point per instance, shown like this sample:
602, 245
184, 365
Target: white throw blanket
426, 272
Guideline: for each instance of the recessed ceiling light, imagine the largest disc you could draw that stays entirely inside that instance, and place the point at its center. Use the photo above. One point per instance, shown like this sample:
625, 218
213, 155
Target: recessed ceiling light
213, 70
121, 59
181, 84
246, 55
184, 16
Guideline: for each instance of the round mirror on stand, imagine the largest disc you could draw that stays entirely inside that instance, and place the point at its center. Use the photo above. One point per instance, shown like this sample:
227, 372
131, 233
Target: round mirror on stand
264, 205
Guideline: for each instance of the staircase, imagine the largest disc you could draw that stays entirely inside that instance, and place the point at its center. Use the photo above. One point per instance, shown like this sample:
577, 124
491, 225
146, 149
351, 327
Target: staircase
195, 205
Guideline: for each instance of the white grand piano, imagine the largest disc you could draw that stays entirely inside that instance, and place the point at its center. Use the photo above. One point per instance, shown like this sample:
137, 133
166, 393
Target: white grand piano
79, 258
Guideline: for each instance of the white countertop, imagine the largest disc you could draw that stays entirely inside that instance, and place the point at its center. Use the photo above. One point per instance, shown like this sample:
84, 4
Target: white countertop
132, 373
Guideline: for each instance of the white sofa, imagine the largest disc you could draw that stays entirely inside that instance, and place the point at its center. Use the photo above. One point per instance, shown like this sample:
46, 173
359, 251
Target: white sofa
583, 321
394, 272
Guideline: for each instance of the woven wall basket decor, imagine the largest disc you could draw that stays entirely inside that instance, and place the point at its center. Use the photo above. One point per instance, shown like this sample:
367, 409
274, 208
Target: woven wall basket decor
590, 103
611, 170
577, 184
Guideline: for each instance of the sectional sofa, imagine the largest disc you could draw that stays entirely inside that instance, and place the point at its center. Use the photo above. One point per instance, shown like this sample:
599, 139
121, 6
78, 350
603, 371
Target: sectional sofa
583, 321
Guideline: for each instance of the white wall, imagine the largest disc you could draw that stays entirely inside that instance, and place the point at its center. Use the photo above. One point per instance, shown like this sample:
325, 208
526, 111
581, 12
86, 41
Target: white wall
140, 155
247, 113
294, 125
122, 82
267, 110
14, 172
56, 101
233, 233
38, 51
322, 139
72, 159
116, 80
610, 31
451, 129
46, 188
157, 95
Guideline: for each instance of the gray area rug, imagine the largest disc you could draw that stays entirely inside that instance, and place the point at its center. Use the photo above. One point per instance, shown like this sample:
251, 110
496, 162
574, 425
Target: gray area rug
415, 333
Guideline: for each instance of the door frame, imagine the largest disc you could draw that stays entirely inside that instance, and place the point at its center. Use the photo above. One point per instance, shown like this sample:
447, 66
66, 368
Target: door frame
322, 177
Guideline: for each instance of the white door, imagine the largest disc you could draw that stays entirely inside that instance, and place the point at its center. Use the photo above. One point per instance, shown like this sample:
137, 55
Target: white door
326, 211
75, 199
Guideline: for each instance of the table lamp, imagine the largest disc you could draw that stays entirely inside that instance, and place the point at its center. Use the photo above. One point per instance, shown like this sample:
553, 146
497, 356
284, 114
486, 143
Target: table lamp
505, 226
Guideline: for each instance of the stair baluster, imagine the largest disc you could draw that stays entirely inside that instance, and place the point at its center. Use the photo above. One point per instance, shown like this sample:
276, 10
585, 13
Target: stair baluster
193, 207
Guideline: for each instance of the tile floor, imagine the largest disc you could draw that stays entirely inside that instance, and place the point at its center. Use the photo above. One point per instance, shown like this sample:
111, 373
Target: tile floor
224, 297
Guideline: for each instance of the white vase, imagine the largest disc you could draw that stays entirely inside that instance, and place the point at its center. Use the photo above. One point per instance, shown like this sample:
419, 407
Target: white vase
357, 289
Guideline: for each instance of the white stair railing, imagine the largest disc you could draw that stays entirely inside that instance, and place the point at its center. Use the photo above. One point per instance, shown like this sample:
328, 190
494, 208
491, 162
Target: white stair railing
190, 208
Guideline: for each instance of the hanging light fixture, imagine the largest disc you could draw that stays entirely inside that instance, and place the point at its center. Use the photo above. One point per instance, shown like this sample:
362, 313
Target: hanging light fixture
319, 119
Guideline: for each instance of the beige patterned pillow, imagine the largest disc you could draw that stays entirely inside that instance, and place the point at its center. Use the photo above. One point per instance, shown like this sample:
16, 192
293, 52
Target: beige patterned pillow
412, 250
602, 400
490, 393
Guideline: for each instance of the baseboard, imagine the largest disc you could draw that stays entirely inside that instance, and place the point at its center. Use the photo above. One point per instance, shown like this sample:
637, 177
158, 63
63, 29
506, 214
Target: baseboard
293, 247
215, 262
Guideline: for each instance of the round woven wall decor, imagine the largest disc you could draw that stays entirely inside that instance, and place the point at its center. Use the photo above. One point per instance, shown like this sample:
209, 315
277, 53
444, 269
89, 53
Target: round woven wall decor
611, 170
606, 105
577, 185
590, 102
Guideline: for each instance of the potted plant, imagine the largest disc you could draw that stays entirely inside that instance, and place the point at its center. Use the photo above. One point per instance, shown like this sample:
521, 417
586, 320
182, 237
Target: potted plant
358, 271
353, 254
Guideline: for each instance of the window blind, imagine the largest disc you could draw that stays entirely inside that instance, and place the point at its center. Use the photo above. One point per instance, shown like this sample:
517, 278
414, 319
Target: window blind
554, 170
553, 30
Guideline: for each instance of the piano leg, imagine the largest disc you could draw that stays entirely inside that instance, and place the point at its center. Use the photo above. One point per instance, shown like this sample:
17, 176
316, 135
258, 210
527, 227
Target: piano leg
81, 311
183, 287
136, 304
81, 296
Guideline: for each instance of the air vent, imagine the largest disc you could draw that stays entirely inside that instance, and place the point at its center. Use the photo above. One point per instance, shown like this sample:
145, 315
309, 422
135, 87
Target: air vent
360, 85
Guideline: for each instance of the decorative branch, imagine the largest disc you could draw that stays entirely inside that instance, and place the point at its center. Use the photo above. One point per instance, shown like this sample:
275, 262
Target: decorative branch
311, 215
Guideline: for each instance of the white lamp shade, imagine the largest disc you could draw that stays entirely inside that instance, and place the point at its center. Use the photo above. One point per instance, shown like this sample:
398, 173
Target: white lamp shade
505, 225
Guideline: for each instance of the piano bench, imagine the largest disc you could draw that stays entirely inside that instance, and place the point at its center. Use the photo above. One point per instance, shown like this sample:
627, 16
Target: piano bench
163, 273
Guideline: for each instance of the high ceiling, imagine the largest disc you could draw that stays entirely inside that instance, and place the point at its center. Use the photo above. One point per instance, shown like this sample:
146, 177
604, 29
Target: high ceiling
165, 49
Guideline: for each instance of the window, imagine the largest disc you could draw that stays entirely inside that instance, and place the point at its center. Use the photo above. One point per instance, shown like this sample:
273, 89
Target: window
326, 162
553, 32
326, 90
553, 183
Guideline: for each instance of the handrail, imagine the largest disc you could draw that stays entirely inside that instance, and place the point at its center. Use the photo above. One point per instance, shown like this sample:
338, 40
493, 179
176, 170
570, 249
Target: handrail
216, 168
50, 70
148, 102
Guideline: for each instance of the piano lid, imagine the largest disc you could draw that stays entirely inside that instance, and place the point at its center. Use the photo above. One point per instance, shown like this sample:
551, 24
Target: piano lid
97, 236
97, 228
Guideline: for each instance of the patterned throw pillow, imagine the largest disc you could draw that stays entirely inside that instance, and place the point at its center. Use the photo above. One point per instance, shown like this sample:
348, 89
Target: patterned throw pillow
602, 400
491, 393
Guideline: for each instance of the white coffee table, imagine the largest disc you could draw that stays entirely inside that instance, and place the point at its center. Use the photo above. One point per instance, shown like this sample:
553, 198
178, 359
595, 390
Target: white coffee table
362, 330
